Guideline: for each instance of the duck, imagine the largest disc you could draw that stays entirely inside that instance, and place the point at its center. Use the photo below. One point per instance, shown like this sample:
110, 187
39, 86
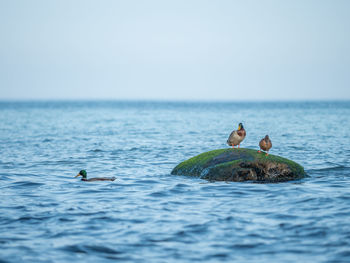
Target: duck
265, 144
237, 136
83, 173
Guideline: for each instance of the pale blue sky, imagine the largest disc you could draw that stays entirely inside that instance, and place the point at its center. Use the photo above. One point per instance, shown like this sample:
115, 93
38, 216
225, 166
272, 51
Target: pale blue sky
175, 50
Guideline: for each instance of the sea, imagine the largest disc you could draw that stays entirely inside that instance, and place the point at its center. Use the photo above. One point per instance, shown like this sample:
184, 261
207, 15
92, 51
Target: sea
149, 215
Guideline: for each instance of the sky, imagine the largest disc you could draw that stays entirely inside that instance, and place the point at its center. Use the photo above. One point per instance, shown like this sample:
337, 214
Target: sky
175, 50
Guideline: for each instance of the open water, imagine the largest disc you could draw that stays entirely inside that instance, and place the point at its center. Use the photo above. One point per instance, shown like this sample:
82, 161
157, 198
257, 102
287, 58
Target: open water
148, 215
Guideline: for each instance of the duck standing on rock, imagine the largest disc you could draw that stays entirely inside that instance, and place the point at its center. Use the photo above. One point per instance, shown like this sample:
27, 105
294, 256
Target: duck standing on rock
83, 173
265, 144
237, 136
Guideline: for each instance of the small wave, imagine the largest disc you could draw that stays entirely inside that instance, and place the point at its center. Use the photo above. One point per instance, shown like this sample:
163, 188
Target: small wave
158, 240
8, 163
90, 191
158, 194
330, 169
64, 219
134, 149
306, 200
344, 254
103, 249
74, 248
86, 214
285, 216
219, 255
197, 228
4, 177
66, 234
68, 161
296, 147
85, 249
25, 184
5, 240
116, 152
179, 188
246, 246
32, 219
96, 150
148, 181
181, 185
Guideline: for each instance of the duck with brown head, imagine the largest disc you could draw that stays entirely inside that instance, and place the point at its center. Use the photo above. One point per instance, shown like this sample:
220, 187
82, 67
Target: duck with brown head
265, 144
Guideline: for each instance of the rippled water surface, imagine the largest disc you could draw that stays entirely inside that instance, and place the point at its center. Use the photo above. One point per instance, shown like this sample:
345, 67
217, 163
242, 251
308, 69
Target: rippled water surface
148, 215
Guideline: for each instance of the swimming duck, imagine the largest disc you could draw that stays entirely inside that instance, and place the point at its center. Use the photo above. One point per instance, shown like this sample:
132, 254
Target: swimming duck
237, 136
83, 173
265, 144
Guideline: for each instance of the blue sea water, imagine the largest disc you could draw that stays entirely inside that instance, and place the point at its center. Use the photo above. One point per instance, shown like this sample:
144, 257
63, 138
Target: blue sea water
148, 215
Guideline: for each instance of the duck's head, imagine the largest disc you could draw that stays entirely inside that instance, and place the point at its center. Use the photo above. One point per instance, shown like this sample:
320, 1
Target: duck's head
240, 126
266, 138
82, 173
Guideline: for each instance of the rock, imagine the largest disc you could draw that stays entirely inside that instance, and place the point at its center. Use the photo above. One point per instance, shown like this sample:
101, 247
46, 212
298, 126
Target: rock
240, 165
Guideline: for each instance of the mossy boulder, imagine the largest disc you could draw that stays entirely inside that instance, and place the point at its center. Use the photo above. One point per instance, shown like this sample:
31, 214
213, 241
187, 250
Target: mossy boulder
240, 165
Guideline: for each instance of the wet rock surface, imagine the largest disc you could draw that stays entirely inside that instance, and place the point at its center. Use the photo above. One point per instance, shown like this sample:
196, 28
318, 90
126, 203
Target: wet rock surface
240, 165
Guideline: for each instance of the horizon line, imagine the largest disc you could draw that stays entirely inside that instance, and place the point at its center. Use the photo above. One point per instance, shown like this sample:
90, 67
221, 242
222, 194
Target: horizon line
2, 100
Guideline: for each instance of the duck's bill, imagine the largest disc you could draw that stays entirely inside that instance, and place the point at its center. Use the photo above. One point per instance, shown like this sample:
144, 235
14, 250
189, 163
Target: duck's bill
77, 175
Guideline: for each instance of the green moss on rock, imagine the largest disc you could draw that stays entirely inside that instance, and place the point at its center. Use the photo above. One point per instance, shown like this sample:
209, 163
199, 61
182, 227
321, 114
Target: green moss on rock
240, 165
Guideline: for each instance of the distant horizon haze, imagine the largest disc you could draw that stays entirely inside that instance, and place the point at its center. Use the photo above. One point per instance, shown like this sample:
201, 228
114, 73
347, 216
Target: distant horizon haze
175, 50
